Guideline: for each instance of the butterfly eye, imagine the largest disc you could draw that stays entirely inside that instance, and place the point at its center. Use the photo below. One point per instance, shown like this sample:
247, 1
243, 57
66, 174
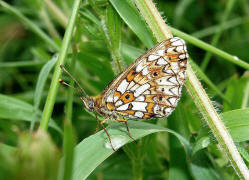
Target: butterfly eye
91, 104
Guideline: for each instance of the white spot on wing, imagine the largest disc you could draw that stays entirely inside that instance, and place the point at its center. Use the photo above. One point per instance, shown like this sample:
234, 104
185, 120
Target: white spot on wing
132, 83
174, 65
139, 106
182, 56
118, 103
110, 98
163, 81
146, 92
176, 41
156, 109
168, 110
173, 80
123, 107
172, 101
134, 87
140, 98
161, 61
170, 49
161, 52
115, 98
123, 85
139, 114
180, 49
174, 90
181, 75
140, 66
141, 89
153, 57
145, 71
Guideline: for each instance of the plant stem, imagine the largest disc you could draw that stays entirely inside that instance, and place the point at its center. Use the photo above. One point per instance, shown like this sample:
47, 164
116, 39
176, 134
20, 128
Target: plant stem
57, 73
49, 25
212, 29
32, 26
61, 18
21, 64
153, 18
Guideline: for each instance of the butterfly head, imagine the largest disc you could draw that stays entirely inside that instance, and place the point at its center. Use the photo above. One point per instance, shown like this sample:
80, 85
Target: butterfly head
88, 102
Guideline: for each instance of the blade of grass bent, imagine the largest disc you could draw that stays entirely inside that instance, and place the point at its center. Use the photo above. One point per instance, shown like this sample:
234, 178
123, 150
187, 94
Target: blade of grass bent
90, 152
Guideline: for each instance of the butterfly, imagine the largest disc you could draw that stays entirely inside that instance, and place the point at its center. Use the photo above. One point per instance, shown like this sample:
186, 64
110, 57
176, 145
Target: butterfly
149, 88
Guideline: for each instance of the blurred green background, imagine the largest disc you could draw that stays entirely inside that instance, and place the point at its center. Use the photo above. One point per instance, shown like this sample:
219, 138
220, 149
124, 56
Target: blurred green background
31, 33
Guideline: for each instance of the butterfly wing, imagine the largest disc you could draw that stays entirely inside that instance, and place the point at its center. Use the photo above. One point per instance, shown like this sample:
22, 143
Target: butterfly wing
151, 86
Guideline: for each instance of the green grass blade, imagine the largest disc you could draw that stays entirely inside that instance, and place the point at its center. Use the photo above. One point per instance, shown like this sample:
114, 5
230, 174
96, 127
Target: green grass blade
32, 26
21, 64
237, 123
92, 151
42, 78
15, 109
127, 11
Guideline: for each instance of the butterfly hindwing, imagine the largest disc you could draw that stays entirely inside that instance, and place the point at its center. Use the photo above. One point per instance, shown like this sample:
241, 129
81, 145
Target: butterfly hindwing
151, 86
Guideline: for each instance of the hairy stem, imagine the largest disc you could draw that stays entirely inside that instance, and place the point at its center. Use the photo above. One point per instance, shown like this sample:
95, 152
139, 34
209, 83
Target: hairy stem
153, 19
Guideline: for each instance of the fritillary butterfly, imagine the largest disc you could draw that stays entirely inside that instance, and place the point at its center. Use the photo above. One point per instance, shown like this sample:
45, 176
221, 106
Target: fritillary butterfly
149, 88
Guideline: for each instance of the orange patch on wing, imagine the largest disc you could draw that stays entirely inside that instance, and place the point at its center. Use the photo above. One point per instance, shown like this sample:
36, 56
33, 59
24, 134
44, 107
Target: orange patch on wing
127, 97
173, 57
117, 93
131, 75
150, 108
110, 106
147, 115
130, 112
138, 78
149, 98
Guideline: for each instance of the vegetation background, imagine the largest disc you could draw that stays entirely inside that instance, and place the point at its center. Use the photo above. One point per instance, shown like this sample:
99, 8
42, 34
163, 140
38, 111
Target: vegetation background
108, 36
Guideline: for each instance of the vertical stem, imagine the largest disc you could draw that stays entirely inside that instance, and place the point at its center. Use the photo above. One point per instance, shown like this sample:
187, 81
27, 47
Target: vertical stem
49, 105
50, 27
137, 168
148, 10
57, 13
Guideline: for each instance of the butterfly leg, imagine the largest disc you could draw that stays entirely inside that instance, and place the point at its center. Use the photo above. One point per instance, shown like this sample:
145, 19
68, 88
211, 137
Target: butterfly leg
109, 138
97, 127
127, 128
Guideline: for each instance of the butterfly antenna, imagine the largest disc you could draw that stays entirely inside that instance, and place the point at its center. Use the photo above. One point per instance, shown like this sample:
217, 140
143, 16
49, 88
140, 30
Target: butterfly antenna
63, 82
66, 84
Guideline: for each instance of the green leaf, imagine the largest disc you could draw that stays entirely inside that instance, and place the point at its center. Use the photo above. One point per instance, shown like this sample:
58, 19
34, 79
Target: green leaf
15, 109
43, 75
129, 13
201, 143
236, 92
237, 123
243, 152
92, 151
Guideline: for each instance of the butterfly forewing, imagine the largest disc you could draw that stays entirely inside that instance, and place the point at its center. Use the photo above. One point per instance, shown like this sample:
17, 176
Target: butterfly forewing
151, 86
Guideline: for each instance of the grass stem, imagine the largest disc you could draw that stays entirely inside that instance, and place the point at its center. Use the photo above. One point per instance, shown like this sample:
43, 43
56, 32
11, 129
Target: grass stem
153, 18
